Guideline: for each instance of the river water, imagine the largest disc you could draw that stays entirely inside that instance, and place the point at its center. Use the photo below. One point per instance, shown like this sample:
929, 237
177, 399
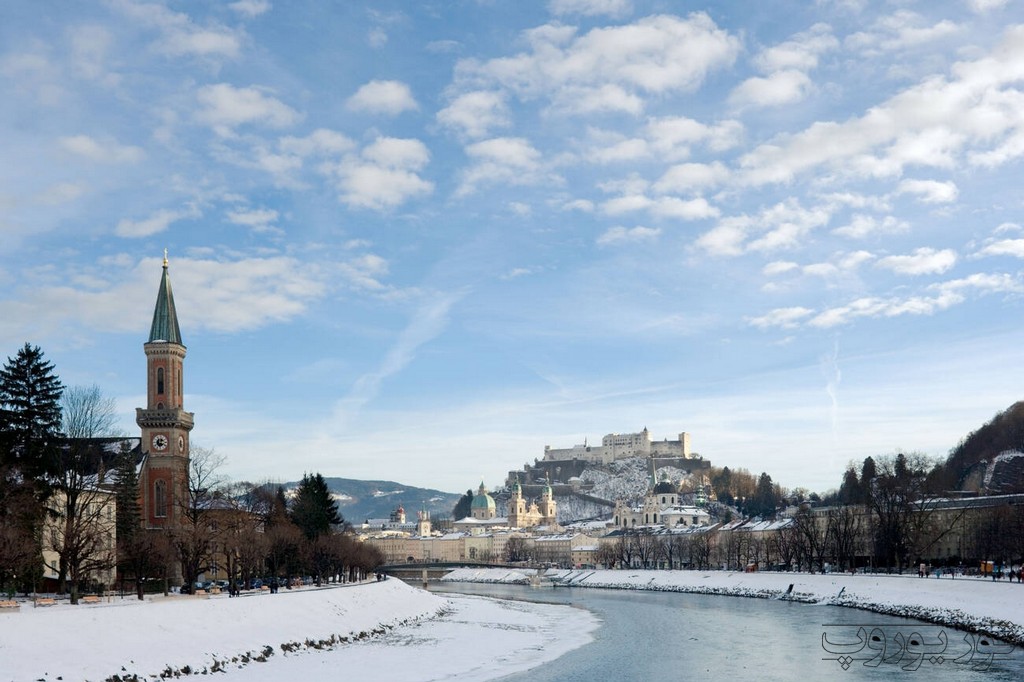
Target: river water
662, 636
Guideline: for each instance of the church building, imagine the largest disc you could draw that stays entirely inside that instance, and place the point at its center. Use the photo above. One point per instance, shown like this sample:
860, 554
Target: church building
163, 473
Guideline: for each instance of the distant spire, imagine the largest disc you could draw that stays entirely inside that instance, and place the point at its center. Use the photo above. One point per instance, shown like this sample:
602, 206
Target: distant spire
165, 318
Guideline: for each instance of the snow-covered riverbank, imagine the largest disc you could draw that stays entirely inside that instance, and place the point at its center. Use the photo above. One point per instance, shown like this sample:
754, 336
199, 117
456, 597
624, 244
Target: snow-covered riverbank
973, 604
384, 631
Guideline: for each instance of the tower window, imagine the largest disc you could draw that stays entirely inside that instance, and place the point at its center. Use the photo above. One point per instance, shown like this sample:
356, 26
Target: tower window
160, 380
160, 499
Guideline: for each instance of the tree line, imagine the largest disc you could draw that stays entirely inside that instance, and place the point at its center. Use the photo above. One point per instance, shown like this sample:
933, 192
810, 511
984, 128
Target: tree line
59, 488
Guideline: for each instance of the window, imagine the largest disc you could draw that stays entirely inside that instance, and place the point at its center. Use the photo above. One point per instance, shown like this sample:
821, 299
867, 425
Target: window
160, 499
160, 380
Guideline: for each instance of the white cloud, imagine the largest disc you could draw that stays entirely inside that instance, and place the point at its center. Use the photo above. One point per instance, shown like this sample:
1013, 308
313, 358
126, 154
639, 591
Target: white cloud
779, 267
225, 106
501, 159
862, 225
899, 31
611, 8
930, 191
384, 175
936, 297
924, 261
801, 52
158, 222
610, 67
365, 272
108, 151
623, 235
785, 318
594, 100
383, 97
661, 207
620, 151
781, 226
983, 6
781, 87
89, 47
260, 220
584, 205
972, 107
60, 193
181, 36
321, 142
689, 177
475, 114
1004, 247
673, 137
223, 295
251, 8
377, 37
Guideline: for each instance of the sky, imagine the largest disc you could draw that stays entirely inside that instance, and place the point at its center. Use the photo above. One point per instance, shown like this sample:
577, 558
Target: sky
421, 241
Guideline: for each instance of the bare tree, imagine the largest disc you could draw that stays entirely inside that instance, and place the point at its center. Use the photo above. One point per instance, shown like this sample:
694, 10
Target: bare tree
80, 532
812, 541
517, 550
702, 546
845, 534
608, 553
194, 541
20, 515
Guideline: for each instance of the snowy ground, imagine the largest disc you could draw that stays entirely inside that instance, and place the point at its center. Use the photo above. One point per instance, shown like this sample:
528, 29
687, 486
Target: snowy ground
973, 604
387, 631
391, 631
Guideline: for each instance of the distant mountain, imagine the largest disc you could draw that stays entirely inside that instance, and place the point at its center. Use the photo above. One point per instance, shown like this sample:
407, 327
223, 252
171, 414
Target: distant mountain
361, 500
990, 460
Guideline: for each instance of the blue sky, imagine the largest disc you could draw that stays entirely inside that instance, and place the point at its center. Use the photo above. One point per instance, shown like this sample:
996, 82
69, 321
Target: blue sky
420, 241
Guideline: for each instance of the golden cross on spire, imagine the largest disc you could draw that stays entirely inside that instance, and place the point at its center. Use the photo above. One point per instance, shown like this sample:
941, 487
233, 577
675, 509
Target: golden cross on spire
165, 257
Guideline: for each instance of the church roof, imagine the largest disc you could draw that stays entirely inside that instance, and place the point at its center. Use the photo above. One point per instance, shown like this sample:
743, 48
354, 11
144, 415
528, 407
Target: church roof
165, 318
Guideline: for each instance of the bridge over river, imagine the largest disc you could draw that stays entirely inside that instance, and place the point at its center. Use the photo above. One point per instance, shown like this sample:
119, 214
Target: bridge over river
422, 572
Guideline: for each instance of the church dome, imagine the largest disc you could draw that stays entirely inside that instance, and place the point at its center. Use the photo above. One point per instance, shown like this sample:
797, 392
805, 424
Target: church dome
482, 500
665, 487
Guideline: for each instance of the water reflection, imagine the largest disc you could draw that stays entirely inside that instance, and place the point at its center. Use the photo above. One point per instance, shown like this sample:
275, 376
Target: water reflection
659, 635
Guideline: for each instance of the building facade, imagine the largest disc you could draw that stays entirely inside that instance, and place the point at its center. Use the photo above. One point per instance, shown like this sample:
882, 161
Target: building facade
527, 515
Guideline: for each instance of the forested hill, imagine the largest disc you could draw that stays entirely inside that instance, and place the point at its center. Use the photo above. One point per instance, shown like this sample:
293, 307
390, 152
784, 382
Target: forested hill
975, 464
361, 500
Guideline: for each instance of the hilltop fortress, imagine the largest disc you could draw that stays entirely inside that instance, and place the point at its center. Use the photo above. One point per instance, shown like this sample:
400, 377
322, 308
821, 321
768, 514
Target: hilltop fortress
561, 468
620, 446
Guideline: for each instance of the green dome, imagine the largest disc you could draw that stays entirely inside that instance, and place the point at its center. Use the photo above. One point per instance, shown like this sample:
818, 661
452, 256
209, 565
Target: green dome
482, 500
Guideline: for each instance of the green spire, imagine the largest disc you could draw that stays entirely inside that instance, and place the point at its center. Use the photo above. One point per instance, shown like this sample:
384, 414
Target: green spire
165, 319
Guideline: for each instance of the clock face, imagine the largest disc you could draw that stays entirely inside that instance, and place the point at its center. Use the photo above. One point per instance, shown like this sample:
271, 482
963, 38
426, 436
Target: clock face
181, 443
159, 442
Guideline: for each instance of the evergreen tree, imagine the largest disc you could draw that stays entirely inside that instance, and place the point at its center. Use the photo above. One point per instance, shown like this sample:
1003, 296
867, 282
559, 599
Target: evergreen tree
464, 507
129, 514
850, 490
314, 510
30, 414
765, 502
868, 472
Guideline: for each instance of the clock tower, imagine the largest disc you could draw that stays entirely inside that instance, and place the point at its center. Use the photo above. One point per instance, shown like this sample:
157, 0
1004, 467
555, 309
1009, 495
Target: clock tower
163, 477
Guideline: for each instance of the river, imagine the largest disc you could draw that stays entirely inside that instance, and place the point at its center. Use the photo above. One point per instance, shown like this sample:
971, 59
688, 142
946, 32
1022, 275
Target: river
661, 635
